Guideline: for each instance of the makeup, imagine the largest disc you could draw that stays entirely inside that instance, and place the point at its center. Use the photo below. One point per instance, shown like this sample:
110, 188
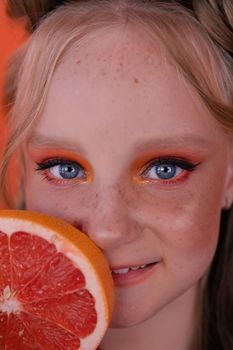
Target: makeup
165, 162
46, 159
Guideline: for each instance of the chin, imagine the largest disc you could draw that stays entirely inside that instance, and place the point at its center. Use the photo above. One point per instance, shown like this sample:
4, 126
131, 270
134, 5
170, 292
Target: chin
124, 320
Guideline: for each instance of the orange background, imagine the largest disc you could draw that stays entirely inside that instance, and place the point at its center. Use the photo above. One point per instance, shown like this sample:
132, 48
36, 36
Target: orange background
11, 36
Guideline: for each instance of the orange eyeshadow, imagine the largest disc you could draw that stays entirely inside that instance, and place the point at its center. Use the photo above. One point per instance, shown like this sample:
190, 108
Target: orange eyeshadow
41, 155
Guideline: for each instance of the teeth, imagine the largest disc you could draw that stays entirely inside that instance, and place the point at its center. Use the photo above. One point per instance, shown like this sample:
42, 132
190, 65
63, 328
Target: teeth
126, 270
121, 270
137, 267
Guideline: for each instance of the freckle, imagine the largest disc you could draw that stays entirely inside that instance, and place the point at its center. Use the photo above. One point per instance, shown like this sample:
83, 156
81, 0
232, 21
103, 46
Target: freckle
136, 80
79, 61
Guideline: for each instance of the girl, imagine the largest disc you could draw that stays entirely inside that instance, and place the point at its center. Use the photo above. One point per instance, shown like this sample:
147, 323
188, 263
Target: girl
120, 113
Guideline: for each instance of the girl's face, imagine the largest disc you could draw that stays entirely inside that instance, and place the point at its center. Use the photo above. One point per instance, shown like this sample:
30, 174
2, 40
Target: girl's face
125, 151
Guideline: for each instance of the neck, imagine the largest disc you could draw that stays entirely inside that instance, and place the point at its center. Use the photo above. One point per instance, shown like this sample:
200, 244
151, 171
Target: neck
174, 327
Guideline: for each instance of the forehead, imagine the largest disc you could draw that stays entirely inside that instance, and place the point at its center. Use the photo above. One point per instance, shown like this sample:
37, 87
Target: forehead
120, 84
116, 53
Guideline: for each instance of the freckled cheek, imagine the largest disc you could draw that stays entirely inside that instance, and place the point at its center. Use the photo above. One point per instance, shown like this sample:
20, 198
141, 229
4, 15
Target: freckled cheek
64, 203
187, 224
190, 254
189, 237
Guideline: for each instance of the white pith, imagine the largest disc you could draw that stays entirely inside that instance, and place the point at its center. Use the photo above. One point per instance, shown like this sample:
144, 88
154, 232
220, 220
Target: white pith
8, 303
9, 226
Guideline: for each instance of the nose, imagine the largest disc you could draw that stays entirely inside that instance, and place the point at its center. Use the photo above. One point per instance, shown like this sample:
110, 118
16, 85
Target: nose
107, 219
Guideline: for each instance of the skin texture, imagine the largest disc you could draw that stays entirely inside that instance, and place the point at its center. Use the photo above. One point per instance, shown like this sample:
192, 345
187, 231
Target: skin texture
107, 102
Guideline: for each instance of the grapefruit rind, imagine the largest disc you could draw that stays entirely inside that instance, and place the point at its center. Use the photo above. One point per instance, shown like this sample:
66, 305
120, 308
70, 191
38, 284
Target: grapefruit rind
73, 243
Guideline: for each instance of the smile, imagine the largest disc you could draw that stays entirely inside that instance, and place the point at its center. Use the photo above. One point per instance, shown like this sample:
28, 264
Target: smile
127, 269
131, 275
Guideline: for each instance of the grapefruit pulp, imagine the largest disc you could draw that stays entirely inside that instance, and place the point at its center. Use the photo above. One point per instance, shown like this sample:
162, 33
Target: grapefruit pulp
56, 289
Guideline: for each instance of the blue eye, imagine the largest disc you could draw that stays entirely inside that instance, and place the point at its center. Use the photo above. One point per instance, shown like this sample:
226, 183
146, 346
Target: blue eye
65, 171
62, 169
166, 169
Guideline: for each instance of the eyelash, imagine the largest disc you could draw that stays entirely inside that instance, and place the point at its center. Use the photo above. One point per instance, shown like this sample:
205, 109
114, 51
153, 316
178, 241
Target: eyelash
170, 161
43, 167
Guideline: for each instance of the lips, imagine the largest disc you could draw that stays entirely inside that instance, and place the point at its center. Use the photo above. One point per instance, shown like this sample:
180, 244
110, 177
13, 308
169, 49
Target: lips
129, 276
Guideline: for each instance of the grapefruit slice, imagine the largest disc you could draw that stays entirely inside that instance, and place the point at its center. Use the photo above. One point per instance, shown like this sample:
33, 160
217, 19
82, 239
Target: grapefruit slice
56, 289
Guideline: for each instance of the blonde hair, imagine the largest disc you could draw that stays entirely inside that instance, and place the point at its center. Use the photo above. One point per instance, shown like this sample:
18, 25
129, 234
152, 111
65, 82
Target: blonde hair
198, 41
202, 62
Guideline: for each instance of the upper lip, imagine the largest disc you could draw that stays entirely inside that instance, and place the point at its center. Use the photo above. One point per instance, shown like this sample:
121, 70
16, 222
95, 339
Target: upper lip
127, 266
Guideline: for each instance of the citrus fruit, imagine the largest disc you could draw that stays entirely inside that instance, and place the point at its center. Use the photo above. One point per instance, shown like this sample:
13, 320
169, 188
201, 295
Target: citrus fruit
56, 289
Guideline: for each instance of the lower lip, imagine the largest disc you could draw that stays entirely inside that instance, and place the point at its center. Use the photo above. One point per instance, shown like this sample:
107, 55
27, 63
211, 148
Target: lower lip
133, 276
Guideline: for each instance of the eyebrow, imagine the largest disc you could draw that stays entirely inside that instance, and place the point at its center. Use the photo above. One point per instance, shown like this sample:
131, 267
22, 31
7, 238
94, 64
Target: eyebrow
186, 140
43, 141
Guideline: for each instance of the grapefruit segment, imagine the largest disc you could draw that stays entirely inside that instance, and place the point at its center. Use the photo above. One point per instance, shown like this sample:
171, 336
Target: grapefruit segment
56, 289
29, 253
5, 267
48, 335
57, 277
75, 311
18, 337
3, 325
